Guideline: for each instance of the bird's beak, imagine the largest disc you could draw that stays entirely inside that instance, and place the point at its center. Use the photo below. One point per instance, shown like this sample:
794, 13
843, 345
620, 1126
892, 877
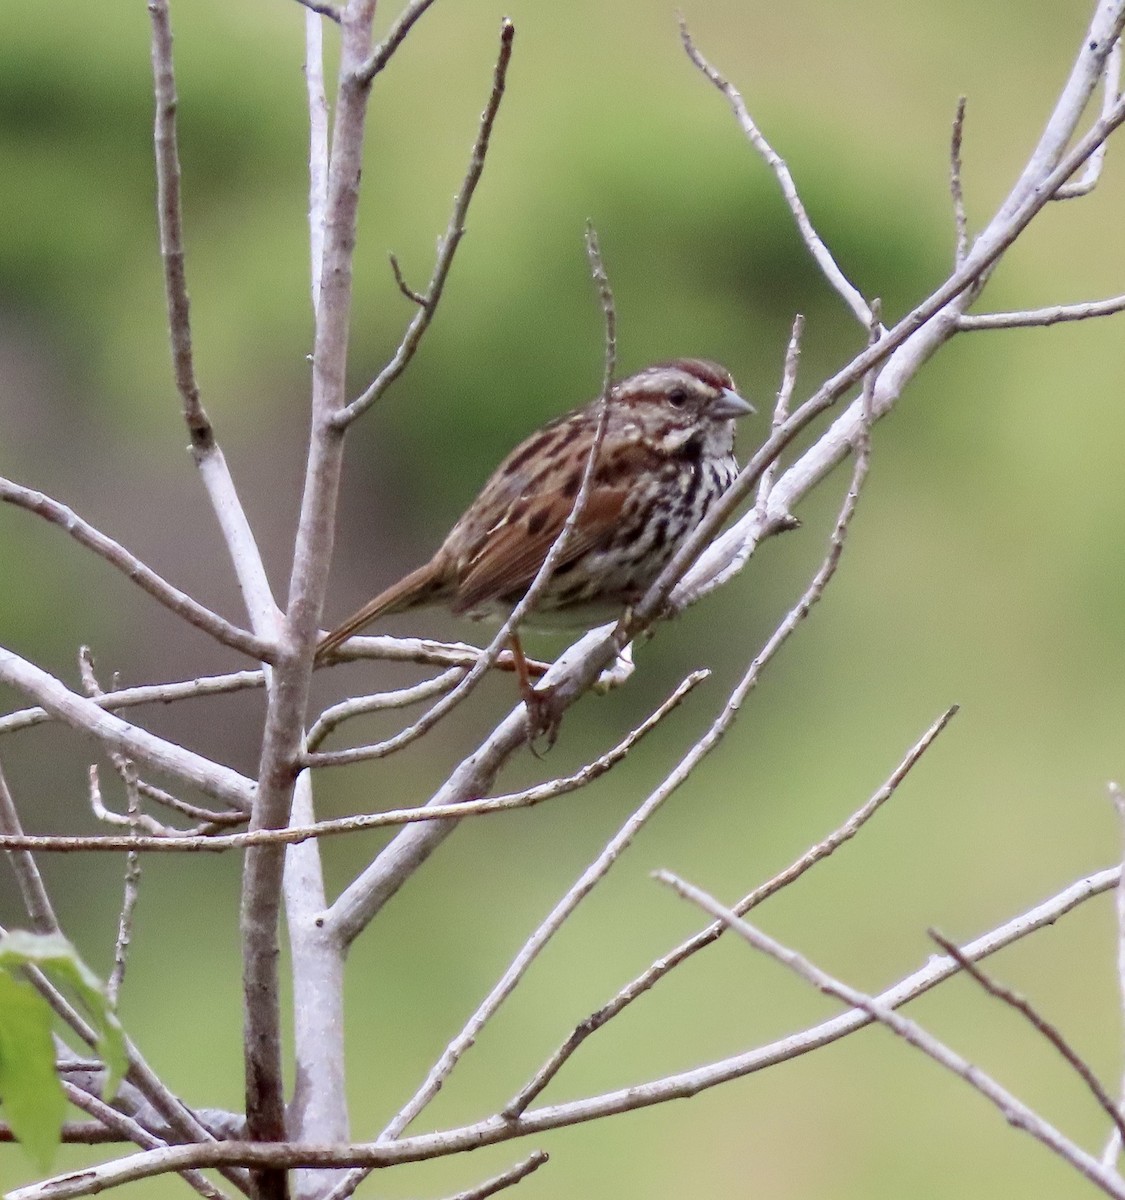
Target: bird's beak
731, 404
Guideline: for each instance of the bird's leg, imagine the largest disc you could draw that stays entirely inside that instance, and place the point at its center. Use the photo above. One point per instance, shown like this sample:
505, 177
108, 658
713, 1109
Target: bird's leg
541, 715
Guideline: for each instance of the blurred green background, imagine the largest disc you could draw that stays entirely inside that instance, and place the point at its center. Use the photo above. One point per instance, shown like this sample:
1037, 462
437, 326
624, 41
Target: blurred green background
984, 567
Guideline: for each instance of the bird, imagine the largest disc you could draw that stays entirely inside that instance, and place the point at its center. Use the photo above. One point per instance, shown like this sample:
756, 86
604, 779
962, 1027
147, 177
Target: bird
666, 456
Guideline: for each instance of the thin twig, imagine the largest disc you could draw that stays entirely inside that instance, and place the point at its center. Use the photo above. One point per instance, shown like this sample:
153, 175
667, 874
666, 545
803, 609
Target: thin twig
107, 816
143, 576
322, 9
124, 1128
1051, 315
1116, 1139
1038, 1022
395, 37
1093, 169
36, 902
1014, 1111
416, 297
82, 714
129, 900
318, 146
427, 304
331, 718
667, 962
782, 405
851, 295
171, 226
498, 1183
958, 196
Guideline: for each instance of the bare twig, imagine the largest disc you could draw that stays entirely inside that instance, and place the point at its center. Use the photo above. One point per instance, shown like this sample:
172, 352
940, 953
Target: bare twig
325, 10
129, 900
140, 821
425, 652
428, 302
357, 706
1052, 315
143, 576
382, 53
851, 295
171, 226
37, 903
497, 1183
88, 718
416, 297
1014, 1111
1039, 1023
782, 405
958, 196
318, 149
124, 1128
667, 962
413, 650
1116, 1139
1093, 170
154, 693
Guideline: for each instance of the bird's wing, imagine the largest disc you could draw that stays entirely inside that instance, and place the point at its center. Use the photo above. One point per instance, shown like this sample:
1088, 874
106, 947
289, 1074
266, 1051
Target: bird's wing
529, 519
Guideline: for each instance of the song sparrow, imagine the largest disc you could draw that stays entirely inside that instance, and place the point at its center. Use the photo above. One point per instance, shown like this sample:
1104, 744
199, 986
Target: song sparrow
667, 454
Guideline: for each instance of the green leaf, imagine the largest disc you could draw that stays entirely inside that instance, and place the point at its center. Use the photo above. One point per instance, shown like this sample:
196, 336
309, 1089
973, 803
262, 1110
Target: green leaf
54, 955
30, 1091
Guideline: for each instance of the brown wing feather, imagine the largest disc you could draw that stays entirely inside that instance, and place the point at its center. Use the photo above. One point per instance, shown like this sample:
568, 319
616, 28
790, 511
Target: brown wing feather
511, 557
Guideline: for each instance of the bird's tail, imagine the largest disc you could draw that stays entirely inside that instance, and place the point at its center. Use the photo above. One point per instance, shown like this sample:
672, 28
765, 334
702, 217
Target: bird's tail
420, 587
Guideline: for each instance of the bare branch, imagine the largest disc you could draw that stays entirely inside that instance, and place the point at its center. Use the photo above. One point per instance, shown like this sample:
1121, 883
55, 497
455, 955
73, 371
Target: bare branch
498, 1183
1110, 93
129, 900
357, 706
143, 576
37, 903
318, 149
1116, 1138
1038, 1022
416, 297
171, 226
101, 813
454, 231
425, 652
88, 718
1014, 1111
395, 37
852, 297
322, 9
124, 1128
153, 693
667, 962
958, 196
1052, 315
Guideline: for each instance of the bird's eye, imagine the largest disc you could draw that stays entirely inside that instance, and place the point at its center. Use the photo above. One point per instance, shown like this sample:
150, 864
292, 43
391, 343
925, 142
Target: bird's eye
677, 396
